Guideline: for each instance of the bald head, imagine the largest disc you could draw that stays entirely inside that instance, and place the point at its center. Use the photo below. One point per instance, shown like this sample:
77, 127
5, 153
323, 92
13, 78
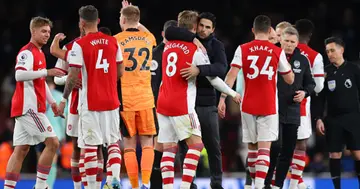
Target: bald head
273, 37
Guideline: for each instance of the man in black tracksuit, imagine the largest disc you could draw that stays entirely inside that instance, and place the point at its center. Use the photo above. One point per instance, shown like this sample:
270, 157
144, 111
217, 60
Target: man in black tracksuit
289, 98
341, 92
206, 99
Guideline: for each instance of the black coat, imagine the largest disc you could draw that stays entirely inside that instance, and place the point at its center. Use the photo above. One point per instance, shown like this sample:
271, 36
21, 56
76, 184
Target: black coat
289, 111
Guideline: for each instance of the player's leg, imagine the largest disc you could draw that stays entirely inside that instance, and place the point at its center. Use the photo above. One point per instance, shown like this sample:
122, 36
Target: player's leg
267, 131
334, 142
128, 130
156, 179
110, 122
168, 138
14, 164
289, 138
248, 179
99, 175
274, 154
82, 168
183, 148
72, 131
249, 136
298, 161
188, 125
145, 124
209, 122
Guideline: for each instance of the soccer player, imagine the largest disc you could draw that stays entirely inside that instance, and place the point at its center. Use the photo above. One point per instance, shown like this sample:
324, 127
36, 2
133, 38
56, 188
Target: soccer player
156, 77
279, 29
137, 99
305, 28
28, 106
260, 61
98, 57
176, 104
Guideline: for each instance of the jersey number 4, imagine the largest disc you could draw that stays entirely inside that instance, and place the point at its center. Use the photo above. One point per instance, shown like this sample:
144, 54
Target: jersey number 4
102, 63
135, 62
265, 70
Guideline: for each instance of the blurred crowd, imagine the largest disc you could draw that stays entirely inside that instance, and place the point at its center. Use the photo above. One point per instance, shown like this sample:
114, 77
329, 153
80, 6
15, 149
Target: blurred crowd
234, 22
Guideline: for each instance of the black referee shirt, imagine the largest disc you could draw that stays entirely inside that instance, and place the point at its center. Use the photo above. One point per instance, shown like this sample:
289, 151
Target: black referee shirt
341, 90
156, 75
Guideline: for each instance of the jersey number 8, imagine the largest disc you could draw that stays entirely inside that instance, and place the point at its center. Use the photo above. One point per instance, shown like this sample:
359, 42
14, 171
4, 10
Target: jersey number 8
171, 64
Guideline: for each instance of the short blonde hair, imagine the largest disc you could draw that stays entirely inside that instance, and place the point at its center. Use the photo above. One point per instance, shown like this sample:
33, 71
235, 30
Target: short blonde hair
290, 31
187, 19
39, 21
283, 25
131, 13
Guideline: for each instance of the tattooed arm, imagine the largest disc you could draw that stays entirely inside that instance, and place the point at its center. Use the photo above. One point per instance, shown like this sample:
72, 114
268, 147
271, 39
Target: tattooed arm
71, 81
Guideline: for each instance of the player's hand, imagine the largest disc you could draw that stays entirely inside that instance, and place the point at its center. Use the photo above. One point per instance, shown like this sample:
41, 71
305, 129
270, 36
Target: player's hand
61, 108
55, 72
190, 72
320, 127
55, 109
60, 36
300, 95
237, 98
78, 83
222, 107
199, 45
125, 3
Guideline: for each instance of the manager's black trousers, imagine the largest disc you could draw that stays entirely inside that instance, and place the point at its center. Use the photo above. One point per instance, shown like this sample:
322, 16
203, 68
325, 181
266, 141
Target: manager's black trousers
281, 154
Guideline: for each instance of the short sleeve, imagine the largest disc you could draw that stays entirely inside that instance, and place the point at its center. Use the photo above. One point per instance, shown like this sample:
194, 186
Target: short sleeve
25, 60
237, 60
284, 66
153, 39
318, 66
119, 57
200, 58
62, 64
76, 58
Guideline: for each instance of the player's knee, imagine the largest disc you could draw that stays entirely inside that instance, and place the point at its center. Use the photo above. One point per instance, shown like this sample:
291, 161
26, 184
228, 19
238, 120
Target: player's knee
335, 155
193, 139
52, 143
158, 146
356, 154
146, 140
21, 151
252, 146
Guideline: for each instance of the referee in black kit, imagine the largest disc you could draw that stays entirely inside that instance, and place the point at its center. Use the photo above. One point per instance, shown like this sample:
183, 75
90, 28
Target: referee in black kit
341, 92
206, 98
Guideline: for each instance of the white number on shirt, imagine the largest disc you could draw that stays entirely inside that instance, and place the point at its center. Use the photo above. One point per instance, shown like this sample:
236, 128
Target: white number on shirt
265, 70
102, 63
171, 66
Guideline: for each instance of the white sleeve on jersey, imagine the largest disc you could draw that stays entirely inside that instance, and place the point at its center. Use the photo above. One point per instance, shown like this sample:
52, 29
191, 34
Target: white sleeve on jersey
200, 58
25, 60
23, 75
318, 73
62, 64
237, 60
76, 58
49, 98
284, 66
221, 86
119, 57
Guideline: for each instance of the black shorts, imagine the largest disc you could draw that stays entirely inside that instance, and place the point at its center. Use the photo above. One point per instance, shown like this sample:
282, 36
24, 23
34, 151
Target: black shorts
341, 131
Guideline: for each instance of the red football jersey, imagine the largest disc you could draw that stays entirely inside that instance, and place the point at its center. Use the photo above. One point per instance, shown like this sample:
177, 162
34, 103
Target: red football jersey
177, 95
64, 66
98, 55
260, 61
29, 94
317, 69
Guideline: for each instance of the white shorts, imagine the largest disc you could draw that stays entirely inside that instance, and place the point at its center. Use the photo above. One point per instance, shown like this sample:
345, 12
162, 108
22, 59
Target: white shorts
72, 128
259, 128
32, 128
178, 128
305, 130
98, 127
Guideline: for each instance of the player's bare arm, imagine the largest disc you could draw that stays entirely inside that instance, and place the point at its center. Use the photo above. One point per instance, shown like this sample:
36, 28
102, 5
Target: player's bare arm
69, 86
55, 49
120, 70
289, 77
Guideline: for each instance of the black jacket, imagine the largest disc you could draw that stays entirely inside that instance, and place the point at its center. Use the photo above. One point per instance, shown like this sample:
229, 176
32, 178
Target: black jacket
341, 90
156, 71
206, 95
289, 111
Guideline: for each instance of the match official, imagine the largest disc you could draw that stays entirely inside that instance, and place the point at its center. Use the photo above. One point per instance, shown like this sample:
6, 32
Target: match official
341, 92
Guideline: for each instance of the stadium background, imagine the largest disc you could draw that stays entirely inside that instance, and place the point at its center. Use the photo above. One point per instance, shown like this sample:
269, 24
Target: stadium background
234, 21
